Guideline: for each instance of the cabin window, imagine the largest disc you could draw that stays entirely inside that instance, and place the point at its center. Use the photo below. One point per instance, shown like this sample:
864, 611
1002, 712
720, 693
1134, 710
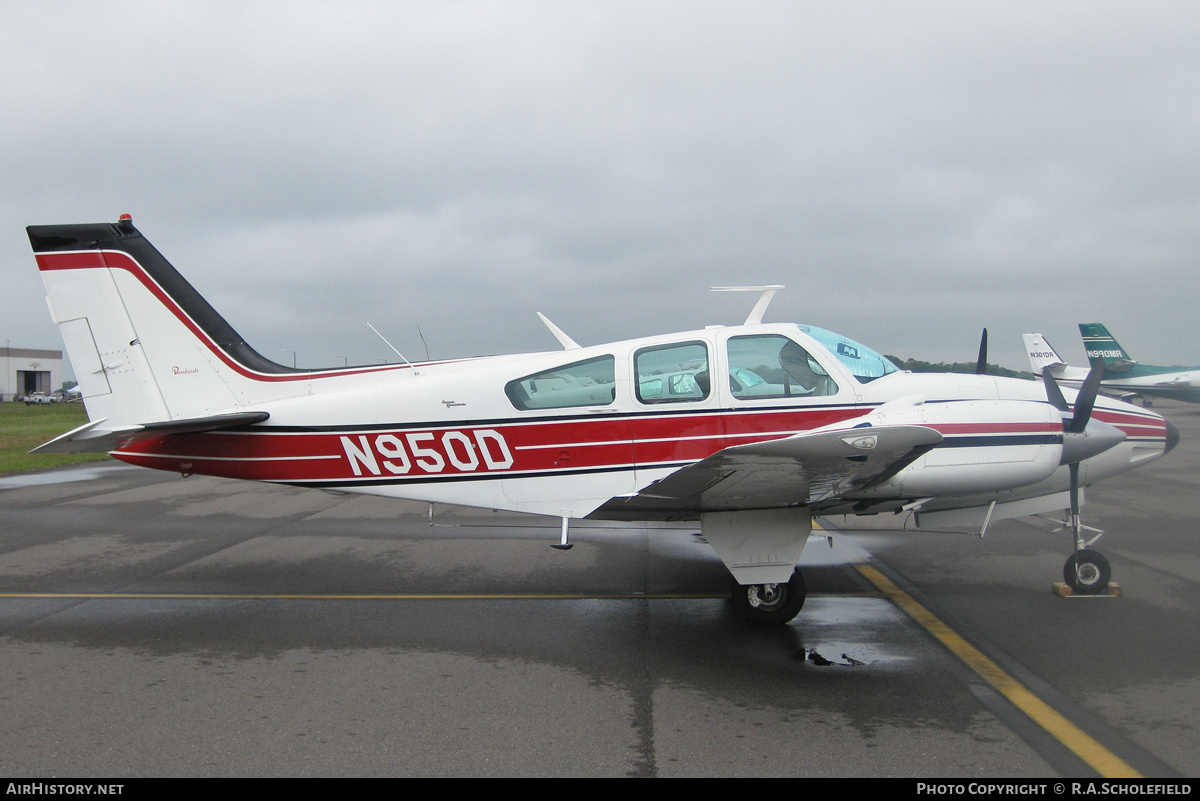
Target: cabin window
773, 366
675, 373
587, 383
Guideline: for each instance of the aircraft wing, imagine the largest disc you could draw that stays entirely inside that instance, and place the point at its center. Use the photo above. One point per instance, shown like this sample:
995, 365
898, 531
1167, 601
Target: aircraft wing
94, 438
800, 470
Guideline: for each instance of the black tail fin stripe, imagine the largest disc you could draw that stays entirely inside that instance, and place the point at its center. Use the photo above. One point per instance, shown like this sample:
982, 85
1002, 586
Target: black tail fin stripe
121, 246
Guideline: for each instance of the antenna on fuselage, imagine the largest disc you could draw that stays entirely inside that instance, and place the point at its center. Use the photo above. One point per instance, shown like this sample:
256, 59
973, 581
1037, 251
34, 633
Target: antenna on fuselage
390, 345
563, 543
423, 342
764, 300
559, 334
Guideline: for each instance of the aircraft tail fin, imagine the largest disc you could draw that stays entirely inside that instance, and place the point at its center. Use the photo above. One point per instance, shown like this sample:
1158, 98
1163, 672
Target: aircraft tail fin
1042, 356
1102, 347
146, 348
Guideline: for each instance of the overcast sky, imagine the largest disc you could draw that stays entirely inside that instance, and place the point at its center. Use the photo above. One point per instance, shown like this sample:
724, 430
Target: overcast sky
911, 172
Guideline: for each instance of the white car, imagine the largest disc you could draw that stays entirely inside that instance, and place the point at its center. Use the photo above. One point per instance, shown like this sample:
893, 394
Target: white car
40, 398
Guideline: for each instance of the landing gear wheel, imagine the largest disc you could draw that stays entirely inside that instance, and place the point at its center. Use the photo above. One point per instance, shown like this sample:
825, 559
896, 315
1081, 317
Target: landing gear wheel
1087, 572
770, 604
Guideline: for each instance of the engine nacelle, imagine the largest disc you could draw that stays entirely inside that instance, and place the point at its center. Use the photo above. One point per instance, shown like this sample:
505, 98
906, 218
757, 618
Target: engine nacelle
988, 446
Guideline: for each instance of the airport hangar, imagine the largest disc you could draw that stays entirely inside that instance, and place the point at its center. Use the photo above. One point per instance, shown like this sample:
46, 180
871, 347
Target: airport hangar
28, 370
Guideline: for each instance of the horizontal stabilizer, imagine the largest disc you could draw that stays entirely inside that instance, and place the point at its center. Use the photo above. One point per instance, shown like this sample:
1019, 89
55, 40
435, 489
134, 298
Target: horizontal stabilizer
1120, 365
93, 437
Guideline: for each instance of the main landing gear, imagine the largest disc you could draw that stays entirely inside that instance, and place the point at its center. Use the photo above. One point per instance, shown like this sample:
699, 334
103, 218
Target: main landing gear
770, 604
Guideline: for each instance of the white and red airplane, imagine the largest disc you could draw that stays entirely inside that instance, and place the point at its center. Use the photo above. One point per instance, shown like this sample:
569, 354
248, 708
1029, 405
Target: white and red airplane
749, 429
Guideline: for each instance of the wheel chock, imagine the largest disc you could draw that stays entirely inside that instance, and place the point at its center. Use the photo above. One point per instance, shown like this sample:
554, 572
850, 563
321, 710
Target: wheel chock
1064, 591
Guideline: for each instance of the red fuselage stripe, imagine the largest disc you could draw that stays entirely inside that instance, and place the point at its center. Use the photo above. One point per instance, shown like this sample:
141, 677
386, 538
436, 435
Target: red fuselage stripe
506, 448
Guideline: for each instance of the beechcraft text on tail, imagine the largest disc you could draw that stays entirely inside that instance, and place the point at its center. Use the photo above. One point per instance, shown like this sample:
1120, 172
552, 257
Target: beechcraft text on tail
748, 429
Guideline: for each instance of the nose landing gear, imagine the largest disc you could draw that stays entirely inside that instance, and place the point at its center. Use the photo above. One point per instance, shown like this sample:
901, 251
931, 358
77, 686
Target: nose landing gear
1087, 572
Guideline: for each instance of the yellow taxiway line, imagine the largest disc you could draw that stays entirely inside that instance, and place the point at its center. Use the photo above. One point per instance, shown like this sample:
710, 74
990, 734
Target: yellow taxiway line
1083, 745
1106, 763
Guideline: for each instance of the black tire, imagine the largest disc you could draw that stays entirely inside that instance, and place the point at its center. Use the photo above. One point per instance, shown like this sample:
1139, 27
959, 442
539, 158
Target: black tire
1087, 572
770, 604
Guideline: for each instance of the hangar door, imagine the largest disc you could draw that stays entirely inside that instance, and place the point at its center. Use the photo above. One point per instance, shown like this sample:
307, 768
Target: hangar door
33, 381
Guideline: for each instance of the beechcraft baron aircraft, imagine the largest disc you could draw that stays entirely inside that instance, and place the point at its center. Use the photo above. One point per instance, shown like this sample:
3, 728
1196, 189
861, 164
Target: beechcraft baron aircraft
1121, 376
750, 429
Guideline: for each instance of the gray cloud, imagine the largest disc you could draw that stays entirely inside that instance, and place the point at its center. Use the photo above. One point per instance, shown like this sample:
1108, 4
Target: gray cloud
912, 172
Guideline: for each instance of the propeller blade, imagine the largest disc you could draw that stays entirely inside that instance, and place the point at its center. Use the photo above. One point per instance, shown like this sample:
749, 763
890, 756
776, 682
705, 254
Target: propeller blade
1053, 393
1096, 438
981, 363
1086, 399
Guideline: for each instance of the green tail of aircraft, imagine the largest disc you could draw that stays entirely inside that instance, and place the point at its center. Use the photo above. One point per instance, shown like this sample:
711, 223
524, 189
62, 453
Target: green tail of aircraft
1102, 347
1125, 376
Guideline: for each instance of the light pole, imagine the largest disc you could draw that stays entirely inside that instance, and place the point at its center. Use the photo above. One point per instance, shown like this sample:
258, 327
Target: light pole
285, 350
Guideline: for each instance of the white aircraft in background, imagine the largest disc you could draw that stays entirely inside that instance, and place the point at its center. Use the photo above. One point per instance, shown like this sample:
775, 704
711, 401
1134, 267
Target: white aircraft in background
1122, 376
749, 429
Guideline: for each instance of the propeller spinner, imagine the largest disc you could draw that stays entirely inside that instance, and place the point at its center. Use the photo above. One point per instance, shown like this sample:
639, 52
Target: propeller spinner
1083, 437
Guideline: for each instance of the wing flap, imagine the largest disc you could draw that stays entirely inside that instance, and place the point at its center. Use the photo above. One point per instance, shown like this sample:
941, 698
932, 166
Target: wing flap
793, 471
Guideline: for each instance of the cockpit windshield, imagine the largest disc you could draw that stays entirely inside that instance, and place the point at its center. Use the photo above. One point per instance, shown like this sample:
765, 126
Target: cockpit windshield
862, 362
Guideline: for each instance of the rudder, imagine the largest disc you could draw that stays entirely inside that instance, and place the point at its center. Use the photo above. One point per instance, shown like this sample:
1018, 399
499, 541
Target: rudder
145, 346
